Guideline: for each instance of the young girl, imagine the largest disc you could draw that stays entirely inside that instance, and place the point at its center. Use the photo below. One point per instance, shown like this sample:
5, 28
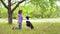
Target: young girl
19, 20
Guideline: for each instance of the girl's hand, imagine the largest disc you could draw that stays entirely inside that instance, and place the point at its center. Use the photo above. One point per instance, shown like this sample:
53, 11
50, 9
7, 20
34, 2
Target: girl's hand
24, 19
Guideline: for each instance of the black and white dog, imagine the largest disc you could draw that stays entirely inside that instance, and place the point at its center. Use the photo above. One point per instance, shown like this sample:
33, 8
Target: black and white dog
28, 23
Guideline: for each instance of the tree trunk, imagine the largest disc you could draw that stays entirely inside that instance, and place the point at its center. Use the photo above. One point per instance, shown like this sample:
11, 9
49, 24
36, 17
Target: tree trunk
9, 12
9, 17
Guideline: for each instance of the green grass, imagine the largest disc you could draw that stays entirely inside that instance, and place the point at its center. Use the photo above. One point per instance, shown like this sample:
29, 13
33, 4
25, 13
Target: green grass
39, 28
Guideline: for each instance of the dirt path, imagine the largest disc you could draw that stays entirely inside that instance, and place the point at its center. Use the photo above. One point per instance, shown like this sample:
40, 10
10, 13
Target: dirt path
38, 20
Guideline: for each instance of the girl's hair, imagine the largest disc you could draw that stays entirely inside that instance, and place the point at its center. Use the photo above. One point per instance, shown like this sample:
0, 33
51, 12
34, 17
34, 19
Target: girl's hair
20, 11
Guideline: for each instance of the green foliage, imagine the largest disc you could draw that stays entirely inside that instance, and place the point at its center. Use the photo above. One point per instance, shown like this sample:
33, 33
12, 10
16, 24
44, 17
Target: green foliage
36, 9
3, 13
33, 12
48, 8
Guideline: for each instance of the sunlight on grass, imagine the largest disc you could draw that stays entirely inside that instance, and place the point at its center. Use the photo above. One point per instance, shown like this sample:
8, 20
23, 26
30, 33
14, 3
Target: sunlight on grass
39, 28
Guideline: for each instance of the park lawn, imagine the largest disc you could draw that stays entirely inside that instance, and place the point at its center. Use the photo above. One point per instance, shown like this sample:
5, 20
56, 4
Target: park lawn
39, 28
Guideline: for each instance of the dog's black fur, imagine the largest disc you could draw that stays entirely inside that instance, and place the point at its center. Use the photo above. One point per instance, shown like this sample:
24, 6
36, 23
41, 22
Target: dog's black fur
28, 23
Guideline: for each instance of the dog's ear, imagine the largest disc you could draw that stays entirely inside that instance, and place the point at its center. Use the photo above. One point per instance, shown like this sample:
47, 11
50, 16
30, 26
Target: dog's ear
28, 17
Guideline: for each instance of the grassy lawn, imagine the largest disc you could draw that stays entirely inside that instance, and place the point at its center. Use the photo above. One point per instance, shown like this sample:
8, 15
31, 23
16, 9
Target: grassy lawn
39, 28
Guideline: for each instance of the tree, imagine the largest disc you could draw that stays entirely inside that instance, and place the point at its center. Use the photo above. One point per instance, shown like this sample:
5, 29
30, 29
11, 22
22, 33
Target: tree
10, 10
46, 6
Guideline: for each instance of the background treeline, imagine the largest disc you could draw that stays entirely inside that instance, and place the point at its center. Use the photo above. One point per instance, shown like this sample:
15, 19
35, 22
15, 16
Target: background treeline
35, 9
